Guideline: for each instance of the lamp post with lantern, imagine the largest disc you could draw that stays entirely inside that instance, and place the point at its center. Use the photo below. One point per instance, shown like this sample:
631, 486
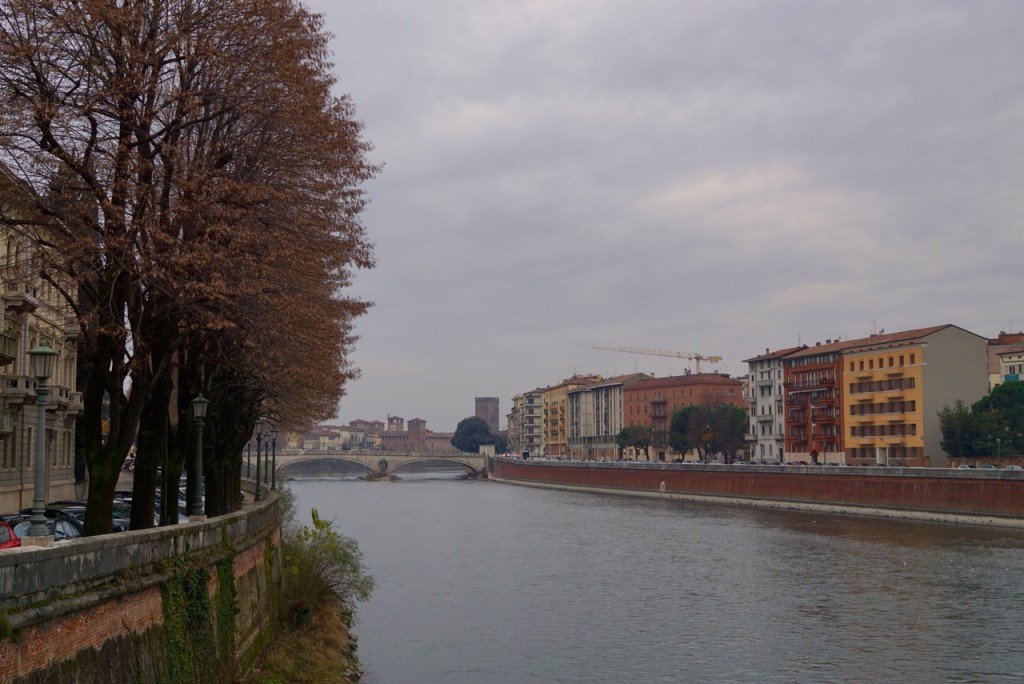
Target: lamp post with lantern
42, 358
273, 462
258, 496
195, 504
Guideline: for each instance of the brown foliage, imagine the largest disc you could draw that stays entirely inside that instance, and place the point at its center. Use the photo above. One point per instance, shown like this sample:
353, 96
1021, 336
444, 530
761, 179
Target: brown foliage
200, 184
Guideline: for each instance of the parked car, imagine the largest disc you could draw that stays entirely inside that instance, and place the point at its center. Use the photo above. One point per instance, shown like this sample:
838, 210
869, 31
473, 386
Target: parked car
61, 528
8, 537
57, 514
987, 466
965, 466
1012, 466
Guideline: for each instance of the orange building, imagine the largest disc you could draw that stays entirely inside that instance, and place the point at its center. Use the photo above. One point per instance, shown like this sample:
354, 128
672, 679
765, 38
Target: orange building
651, 403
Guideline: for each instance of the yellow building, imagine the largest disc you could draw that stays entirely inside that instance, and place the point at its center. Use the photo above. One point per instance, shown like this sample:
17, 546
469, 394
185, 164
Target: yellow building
33, 311
556, 411
894, 386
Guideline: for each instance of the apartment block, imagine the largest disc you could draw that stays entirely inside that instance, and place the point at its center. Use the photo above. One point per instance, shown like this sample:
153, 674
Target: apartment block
766, 440
896, 384
595, 417
526, 422
812, 391
1004, 342
652, 402
556, 413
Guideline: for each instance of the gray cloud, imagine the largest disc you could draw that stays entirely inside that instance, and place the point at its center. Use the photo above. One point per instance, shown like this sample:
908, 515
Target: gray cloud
706, 176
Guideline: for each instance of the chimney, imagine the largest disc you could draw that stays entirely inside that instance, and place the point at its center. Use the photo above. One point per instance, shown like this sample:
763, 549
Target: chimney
817, 344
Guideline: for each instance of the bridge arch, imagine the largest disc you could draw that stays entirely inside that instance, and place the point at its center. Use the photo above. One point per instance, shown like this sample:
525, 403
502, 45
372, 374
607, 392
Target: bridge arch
285, 469
395, 467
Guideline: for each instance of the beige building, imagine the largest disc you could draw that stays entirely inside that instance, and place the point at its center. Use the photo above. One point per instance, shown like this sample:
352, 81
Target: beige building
556, 414
34, 311
1011, 364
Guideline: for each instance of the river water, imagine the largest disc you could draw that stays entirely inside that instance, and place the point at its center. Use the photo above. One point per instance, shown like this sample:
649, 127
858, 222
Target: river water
488, 582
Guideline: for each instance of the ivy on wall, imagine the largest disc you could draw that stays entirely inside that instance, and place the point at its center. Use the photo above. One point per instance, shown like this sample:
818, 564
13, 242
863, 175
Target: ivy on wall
200, 643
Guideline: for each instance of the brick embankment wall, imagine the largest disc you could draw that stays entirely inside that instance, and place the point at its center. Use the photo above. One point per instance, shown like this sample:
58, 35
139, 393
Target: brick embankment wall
185, 603
972, 496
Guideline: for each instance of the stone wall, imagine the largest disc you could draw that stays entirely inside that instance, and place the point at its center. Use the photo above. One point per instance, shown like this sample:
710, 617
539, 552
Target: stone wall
980, 496
185, 603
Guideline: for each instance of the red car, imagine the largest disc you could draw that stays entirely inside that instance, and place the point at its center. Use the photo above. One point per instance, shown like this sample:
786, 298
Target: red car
8, 539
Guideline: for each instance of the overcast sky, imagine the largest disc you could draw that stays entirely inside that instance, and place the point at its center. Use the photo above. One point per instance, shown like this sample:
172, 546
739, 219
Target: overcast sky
714, 177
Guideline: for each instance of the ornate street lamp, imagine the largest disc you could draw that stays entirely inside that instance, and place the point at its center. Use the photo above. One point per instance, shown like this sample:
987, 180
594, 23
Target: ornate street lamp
273, 451
42, 358
259, 441
195, 504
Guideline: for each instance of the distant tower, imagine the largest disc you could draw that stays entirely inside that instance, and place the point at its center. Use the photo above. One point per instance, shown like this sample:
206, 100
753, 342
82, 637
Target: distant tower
487, 408
396, 424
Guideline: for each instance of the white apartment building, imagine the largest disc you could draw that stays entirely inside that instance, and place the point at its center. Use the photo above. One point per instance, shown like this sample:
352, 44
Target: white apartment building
766, 440
526, 422
595, 417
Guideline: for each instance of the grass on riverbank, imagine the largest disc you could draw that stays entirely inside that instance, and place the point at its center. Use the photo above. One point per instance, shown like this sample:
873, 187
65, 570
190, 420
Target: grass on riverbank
322, 650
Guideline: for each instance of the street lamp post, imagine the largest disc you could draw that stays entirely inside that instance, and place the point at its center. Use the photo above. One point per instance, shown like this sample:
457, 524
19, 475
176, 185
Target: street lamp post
195, 504
999, 451
248, 459
273, 462
259, 441
42, 360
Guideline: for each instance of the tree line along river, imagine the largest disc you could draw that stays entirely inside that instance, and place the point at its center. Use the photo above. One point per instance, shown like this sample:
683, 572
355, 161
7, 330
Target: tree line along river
488, 582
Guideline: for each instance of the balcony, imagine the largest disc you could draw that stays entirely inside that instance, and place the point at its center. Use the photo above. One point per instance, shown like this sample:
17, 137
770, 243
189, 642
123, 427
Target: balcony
827, 382
19, 296
18, 388
8, 349
72, 330
658, 399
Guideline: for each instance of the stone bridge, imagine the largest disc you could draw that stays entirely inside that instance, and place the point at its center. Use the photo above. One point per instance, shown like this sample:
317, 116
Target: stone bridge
379, 463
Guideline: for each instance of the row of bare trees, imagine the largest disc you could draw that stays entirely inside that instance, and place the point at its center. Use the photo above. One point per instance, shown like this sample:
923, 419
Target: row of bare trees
196, 193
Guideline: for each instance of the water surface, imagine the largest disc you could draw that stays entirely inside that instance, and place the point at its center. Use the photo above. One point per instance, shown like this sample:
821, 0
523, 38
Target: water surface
488, 582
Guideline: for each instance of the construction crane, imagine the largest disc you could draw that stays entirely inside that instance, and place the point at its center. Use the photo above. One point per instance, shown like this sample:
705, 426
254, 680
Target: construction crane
660, 352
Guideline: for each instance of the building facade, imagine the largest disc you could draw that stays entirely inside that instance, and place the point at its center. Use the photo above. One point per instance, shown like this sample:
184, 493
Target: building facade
487, 409
766, 405
812, 389
996, 347
895, 385
528, 415
595, 417
651, 403
34, 311
1011, 364
556, 414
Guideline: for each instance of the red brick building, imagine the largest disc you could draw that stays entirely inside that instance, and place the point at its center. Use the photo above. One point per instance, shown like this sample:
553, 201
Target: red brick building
652, 402
813, 403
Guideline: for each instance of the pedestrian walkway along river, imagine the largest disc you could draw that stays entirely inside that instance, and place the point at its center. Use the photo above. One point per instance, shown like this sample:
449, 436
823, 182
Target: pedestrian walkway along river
486, 582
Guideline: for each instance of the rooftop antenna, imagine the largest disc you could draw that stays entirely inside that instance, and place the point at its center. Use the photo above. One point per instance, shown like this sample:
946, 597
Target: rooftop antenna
799, 338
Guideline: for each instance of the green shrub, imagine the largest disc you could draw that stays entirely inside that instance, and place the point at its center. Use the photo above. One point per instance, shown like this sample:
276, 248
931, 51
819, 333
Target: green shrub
321, 565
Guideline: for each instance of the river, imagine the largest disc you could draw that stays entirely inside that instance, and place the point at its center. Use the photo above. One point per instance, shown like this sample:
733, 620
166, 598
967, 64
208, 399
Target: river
493, 583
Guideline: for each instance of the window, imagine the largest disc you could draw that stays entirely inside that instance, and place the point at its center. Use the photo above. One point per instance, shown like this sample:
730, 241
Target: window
901, 360
891, 362
871, 364
851, 365
912, 359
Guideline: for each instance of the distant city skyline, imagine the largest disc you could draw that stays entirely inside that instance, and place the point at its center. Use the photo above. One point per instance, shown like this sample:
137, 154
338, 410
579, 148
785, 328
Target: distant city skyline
712, 177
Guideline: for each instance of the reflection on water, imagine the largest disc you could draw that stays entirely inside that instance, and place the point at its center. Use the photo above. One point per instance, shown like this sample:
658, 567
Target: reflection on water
484, 582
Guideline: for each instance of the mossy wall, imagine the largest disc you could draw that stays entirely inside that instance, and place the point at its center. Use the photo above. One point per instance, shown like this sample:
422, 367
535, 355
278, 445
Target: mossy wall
198, 614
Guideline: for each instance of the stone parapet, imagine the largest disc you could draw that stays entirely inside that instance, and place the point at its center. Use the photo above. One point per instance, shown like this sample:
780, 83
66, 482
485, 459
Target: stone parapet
109, 608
